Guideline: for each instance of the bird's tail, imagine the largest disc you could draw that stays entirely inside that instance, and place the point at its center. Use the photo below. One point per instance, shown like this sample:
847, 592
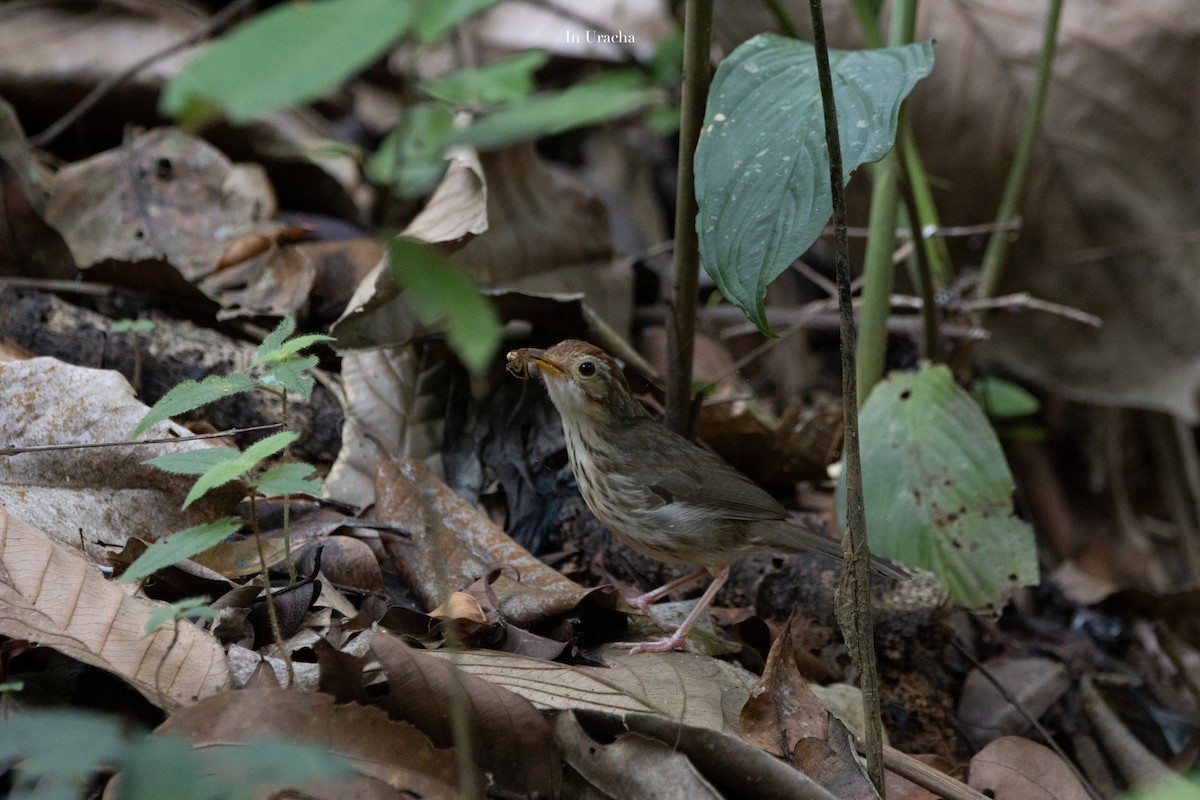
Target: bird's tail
794, 539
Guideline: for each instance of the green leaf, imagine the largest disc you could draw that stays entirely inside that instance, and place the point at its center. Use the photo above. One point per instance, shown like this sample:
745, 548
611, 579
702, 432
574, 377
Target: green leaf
66, 746
614, 95
166, 766
938, 491
275, 339
187, 607
411, 158
286, 375
435, 18
194, 462
285, 56
61, 751
268, 762
131, 326
276, 346
440, 291
289, 479
180, 546
190, 395
762, 171
227, 470
1002, 399
501, 82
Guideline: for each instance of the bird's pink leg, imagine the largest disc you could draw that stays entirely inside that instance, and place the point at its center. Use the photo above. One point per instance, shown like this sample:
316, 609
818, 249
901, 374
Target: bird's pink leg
644, 601
678, 639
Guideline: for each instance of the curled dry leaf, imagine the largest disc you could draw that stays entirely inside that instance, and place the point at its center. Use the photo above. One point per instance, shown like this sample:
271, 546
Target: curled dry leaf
454, 544
631, 766
380, 749
54, 598
782, 710
394, 397
513, 742
723, 759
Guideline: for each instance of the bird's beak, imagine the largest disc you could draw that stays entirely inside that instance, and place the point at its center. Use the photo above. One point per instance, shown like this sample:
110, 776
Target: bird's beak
546, 365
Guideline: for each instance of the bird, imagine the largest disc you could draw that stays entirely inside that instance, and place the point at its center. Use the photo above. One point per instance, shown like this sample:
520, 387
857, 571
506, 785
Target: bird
655, 490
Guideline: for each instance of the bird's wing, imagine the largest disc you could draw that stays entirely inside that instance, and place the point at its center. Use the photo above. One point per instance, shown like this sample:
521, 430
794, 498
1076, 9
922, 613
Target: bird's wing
705, 481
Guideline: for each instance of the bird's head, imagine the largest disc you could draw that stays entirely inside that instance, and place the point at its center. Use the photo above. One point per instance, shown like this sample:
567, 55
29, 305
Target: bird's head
584, 382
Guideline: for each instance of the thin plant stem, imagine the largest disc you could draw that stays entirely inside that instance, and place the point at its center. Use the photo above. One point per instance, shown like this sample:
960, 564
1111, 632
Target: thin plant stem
932, 347
697, 72
272, 614
854, 594
287, 509
997, 249
878, 265
880, 272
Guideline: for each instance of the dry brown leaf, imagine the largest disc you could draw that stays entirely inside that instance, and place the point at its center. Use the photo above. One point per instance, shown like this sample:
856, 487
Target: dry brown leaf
1011, 768
631, 766
782, 710
395, 398
53, 597
28, 246
1035, 683
95, 498
161, 196
816, 759
513, 742
687, 688
454, 544
457, 208
381, 749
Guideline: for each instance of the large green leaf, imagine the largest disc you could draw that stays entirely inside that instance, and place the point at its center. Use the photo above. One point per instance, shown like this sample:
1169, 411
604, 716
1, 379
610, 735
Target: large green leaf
938, 490
762, 171
285, 56
441, 293
548, 113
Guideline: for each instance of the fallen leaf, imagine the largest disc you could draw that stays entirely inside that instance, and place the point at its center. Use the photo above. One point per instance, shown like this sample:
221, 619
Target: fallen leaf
684, 687
1035, 684
782, 710
1011, 768
512, 741
630, 766
163, 195
55, 598
454, 545
380, 749
92, 499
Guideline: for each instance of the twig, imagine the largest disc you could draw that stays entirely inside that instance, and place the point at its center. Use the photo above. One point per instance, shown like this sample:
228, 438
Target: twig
697, 72
1021, 300
42, 448
105, 86
854, 593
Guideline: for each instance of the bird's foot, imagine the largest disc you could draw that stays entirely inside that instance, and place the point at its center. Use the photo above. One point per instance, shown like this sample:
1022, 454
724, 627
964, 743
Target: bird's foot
664, 645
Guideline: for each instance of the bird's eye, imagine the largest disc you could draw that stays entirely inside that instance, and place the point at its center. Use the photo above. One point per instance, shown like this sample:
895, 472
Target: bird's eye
587, 369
